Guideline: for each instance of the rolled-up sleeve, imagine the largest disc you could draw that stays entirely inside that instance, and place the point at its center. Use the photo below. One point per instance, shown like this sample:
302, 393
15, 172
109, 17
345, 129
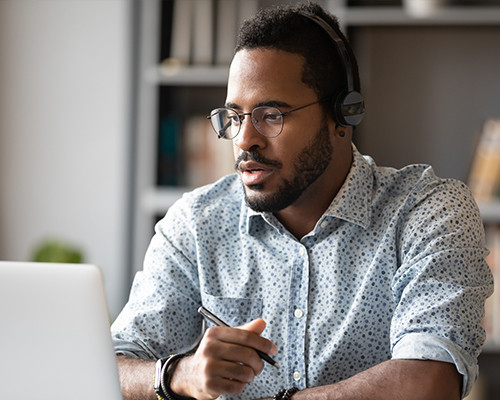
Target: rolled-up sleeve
442, 283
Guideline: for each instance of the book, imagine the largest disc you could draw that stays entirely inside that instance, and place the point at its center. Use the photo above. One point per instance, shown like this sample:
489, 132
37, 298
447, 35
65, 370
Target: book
203, 32
206, 157
226, 22
484, 175
491, 321
168, 164
182, 22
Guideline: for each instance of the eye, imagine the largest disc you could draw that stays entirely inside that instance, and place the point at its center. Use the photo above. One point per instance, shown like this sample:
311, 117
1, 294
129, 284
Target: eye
271, 116
234, 119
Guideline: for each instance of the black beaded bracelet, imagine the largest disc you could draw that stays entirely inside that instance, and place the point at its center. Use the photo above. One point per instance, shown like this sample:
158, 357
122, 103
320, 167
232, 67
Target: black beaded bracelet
286, 394
166, 377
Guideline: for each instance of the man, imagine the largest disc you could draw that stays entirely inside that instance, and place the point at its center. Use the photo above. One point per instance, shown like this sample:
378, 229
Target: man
360, 281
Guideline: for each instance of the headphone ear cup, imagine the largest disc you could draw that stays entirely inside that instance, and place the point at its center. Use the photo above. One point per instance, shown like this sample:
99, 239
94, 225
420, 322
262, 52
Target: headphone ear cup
349, 108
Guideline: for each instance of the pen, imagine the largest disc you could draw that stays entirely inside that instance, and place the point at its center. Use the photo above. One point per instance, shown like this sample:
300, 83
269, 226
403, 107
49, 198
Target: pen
217, 321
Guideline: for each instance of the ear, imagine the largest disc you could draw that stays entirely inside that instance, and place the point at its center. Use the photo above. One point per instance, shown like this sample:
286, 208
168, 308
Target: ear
342, 132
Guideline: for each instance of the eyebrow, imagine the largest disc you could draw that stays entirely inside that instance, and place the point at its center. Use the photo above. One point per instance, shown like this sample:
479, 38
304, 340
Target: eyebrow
267, 103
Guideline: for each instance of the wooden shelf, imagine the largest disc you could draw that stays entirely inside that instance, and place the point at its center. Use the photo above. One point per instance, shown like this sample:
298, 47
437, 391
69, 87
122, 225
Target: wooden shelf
491, 346
359, 16
158, 200
188, 76
490, 211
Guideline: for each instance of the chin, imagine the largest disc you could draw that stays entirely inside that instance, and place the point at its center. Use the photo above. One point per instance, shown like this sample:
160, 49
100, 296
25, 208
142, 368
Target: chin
270, 202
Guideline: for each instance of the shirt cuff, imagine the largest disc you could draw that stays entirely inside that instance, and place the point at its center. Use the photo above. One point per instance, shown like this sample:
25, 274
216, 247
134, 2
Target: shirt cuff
130, 349
422, 346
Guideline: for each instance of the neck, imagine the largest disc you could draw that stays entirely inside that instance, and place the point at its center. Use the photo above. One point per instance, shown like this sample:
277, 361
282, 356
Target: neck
301, 217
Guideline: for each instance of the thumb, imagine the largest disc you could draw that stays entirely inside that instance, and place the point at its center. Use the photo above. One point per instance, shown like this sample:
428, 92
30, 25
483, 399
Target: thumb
257, 326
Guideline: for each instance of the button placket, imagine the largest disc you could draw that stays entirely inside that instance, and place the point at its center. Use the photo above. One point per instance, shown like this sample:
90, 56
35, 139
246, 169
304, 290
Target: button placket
298, 309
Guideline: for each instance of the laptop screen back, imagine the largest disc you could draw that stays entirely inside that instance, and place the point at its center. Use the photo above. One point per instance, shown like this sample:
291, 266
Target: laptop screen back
54, 334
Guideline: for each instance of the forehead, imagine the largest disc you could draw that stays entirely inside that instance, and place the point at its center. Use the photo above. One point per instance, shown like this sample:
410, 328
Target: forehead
258, 75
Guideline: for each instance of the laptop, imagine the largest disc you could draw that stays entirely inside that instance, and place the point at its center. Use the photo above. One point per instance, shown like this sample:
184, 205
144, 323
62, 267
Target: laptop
55, 333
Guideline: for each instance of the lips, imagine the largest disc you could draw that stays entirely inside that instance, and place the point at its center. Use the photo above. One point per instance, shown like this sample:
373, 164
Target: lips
253, 173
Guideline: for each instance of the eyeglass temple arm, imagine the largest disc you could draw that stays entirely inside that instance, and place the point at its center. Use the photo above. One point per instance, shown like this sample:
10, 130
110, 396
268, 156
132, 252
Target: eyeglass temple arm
300, 108
221, 132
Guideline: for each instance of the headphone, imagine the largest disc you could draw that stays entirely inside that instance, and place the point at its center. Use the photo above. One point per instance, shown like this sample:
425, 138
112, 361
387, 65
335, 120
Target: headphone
348, 106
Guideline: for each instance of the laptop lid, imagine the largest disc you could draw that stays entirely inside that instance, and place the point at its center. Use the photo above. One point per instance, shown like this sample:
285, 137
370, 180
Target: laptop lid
55, 333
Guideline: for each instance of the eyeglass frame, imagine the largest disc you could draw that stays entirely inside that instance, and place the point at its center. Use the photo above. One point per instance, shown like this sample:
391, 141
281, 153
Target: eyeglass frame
241, 117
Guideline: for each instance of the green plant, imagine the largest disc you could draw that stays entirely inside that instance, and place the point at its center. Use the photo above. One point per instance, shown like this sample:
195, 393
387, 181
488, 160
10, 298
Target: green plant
57, 251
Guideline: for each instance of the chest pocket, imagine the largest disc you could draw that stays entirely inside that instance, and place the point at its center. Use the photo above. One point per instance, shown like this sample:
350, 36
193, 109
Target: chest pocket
234, 311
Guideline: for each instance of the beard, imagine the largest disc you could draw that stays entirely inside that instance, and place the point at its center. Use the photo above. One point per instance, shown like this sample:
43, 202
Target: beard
309, 165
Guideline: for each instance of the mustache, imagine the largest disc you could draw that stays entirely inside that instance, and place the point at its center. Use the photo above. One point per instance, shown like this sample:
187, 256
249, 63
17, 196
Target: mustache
254, 155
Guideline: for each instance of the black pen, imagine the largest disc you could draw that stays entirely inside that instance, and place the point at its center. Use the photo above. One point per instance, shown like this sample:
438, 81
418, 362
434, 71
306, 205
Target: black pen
217, 321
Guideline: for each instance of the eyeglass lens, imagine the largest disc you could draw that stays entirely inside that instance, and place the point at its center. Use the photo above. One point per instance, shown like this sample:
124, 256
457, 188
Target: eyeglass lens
227, 122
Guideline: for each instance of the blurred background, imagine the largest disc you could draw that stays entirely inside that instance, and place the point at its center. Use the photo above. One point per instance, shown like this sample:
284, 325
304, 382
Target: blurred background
65, 126
103, 106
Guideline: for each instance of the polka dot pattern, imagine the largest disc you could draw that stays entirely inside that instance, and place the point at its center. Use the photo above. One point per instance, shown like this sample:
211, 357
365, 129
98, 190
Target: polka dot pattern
395, 268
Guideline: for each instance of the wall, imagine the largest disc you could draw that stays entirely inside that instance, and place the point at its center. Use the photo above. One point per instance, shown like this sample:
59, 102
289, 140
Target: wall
63, 130
428, 90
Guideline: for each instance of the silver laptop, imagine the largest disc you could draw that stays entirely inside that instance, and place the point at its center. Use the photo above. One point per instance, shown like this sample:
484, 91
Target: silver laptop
54, 333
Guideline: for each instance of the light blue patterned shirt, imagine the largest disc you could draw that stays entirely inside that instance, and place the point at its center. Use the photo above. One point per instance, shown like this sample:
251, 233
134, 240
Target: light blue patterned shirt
394, 269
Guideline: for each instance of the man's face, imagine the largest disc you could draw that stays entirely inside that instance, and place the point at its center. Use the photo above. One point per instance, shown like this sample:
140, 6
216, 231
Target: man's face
276, 172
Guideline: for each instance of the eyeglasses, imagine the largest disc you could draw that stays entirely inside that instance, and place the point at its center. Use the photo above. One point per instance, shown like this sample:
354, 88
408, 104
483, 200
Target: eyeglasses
267, 120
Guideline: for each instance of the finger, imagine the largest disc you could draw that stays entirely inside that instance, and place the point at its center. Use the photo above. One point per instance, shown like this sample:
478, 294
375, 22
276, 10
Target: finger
221, 344
257, 326
236, 372
213, 378
217, 377
242, 337
243, 355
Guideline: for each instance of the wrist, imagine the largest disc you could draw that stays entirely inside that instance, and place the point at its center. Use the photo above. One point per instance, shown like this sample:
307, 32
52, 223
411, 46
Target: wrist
178, 382
165, 368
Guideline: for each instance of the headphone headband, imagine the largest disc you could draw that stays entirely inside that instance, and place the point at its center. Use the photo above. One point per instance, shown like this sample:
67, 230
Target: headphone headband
344, 55
348, 107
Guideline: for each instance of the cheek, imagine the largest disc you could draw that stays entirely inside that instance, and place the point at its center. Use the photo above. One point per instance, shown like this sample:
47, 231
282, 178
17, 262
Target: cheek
235, 151
289, 144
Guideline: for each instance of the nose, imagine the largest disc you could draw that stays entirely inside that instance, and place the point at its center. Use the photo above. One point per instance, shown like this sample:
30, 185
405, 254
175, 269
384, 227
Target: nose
248, 136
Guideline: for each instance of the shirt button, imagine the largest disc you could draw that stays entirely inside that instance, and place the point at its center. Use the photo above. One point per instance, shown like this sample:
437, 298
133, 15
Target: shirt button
302, 251
297, 375
298, 313
324, 224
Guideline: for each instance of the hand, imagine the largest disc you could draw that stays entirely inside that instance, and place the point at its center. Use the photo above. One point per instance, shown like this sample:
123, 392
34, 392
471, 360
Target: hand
224, 363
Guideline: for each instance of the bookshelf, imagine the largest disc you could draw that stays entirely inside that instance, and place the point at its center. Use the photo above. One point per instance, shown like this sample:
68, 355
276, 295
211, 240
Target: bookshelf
446, 15
155, 77
490, 211
188, 76
166, 88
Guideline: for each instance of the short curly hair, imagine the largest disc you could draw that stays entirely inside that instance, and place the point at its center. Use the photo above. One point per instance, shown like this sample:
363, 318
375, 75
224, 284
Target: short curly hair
283, 27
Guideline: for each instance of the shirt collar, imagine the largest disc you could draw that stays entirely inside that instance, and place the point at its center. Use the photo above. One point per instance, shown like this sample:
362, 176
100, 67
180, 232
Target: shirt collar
352, 202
